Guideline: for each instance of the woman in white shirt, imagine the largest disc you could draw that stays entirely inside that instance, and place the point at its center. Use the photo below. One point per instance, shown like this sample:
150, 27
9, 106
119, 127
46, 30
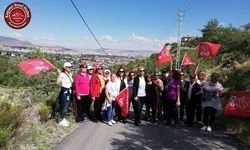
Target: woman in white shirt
65, 80
212, 91
139, 94
111, 92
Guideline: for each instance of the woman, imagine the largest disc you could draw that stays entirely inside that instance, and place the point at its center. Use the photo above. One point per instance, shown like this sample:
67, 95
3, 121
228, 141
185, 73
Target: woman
173, 97
139, 94
131, 77
97, 85
121, 81
107, 75
212, 91
160, 88
111, 91
201, 80
193, 99
151, 97
82, 87
65, 80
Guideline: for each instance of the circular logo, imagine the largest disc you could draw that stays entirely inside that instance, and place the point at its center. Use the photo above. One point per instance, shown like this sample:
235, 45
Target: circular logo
17, 15
233, 101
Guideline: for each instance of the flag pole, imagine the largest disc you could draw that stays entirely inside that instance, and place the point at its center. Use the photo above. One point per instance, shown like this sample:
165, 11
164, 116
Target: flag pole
171, 65
196, 68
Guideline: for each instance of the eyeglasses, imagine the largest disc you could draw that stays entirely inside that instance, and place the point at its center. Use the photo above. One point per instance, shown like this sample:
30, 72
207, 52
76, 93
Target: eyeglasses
141, 70
121, 71
100, 68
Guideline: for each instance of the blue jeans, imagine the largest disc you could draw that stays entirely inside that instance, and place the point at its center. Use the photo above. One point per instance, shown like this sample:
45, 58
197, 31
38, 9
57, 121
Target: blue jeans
65, 97
109, 113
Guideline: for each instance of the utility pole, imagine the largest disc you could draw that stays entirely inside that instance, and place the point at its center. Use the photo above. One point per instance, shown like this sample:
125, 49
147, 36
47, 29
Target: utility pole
179, 40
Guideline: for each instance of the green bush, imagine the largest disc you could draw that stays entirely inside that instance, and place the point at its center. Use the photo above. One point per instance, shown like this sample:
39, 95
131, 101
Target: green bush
5, 135
45, 112
10, 120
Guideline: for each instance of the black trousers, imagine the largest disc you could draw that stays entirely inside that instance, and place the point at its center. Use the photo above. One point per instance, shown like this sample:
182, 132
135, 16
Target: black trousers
172, 111
118, 112
83, 106
198, 112
182, 109
152, 105
137, 108
209, 116
98, 105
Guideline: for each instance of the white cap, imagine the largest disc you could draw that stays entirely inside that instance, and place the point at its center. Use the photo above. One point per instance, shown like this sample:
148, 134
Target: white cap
107, 71
67, 64
90, 67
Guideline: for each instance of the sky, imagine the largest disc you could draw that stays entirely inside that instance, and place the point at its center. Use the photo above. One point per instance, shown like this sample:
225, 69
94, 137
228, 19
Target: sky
121, 24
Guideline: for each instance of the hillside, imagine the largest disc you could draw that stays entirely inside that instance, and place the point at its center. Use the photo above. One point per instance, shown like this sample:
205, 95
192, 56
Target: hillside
12, 42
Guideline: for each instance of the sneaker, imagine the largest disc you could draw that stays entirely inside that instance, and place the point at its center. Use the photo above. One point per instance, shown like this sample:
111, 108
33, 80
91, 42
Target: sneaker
136, 124
204, 128
85, 118
209, 129
113, 121
64, 123
110, 123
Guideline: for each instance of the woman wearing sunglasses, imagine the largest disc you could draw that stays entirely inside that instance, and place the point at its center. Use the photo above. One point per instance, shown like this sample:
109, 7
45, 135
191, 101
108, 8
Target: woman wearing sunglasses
65, 80
121, 81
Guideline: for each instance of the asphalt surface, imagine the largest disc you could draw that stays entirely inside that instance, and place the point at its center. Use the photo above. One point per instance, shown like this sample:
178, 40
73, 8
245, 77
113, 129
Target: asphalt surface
100, 136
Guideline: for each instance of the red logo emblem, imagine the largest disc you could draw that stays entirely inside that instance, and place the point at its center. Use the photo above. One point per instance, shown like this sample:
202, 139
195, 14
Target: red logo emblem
17, 15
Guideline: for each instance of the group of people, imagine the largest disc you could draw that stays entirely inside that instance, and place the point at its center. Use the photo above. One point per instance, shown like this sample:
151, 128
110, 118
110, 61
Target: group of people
167, 96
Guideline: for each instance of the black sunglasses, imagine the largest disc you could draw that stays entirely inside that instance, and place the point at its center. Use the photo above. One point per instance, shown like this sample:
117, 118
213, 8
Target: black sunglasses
141, 70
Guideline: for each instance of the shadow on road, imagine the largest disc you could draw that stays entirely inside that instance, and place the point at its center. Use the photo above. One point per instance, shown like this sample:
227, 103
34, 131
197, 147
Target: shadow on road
154, 136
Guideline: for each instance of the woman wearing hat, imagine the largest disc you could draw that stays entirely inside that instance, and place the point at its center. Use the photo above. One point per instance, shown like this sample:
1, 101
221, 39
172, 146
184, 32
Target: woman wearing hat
65, 80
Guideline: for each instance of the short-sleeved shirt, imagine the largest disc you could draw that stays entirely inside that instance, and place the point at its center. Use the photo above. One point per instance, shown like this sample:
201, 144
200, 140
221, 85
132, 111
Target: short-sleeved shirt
212, 97
172, 89
66, 80
113, 89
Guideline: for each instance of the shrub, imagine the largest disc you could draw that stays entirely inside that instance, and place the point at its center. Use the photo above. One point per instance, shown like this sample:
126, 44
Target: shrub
10, 120
45, 112
5, 134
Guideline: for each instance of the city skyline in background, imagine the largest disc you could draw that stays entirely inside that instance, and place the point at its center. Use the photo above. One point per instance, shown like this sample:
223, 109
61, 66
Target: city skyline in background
135, 25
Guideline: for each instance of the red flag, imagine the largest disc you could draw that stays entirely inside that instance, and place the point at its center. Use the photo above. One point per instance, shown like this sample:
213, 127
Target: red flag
187, 60
35, 66
122, 100
207, 49
238, 104
164, 56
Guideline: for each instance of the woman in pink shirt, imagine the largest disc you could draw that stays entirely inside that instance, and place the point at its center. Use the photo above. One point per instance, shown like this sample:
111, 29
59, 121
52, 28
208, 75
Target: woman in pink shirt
82, 89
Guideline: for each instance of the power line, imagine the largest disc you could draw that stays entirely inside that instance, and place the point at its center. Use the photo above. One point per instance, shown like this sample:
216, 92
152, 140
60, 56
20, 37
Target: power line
88, 27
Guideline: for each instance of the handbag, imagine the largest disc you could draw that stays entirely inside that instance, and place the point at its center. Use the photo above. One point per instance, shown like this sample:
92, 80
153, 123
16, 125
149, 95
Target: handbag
104, 106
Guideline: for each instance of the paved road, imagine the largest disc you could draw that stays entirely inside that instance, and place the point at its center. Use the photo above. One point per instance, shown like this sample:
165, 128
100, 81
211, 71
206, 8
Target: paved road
100, 136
